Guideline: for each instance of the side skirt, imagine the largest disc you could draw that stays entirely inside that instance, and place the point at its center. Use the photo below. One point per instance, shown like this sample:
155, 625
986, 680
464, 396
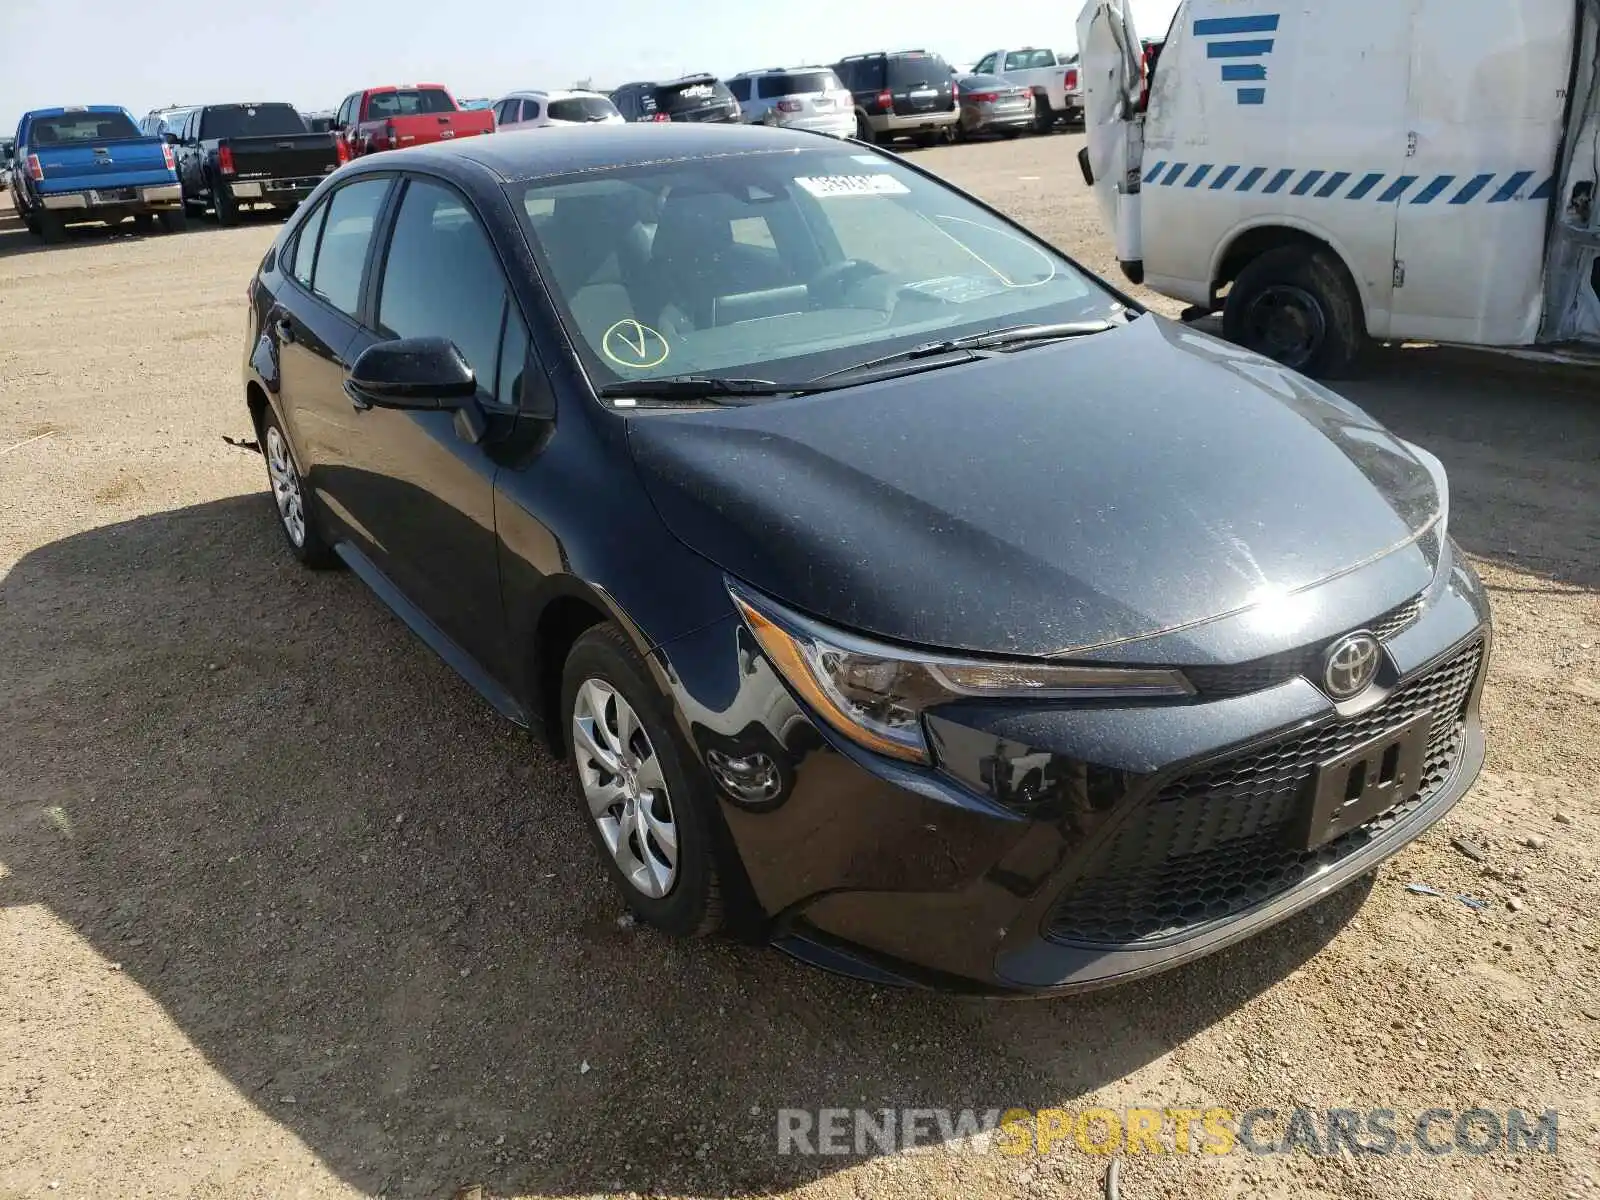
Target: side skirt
438, 641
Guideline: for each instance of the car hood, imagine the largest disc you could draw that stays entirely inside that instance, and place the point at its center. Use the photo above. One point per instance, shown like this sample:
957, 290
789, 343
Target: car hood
1043, 501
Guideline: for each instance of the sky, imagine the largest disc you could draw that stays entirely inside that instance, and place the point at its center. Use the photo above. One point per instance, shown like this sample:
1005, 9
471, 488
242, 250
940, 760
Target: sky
160, 52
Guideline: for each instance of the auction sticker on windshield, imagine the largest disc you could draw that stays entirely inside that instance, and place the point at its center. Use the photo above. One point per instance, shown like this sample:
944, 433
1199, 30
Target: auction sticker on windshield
827, 186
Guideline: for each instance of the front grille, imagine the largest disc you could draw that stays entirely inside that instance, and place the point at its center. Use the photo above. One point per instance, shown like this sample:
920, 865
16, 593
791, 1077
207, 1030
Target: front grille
1217, 842
1305, 661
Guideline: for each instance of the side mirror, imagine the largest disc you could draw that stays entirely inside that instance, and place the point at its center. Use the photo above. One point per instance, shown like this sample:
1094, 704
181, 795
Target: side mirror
170, 138
411, 373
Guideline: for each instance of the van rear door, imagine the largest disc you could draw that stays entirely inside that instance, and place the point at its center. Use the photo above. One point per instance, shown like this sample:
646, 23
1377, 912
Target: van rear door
1112, 158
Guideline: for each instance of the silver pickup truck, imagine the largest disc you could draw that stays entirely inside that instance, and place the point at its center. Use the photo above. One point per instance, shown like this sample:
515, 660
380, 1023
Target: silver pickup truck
1053, 78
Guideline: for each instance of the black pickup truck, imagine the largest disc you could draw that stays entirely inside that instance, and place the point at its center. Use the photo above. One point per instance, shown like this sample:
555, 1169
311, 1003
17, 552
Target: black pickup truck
232, 155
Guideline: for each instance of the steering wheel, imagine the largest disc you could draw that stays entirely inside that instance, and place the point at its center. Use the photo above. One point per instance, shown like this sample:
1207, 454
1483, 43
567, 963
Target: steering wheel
835, 279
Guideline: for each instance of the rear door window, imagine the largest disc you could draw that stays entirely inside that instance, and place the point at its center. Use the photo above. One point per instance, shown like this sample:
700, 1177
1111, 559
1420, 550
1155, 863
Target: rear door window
77, 128
346, 237
685, 97
581, 108
254, 120
909, 70
799, 83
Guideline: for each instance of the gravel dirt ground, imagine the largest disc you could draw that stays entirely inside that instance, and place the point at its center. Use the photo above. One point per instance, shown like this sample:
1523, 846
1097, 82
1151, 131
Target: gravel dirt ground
285, 909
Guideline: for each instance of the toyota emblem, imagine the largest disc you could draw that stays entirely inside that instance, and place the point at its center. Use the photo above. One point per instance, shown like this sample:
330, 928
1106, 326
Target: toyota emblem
1351, 665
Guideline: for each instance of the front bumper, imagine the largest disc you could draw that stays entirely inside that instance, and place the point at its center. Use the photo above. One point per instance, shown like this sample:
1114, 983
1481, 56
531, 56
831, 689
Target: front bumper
1058, 851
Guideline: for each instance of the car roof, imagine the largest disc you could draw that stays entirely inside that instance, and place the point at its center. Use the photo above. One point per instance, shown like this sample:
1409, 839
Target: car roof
560, 151
556, 94
778, 71
64, 110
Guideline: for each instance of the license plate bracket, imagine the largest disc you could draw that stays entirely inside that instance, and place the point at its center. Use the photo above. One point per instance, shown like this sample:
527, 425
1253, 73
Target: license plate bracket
1367, 781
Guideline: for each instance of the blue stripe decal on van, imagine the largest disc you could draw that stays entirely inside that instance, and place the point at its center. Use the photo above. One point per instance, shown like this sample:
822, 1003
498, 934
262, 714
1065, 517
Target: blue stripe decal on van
1469, 193
1243, 72
1252, 49
1307, 182
1359, 192
1252, 95
1216, 26
1428, 194
1511, 187
1310, 183
1278, 180
1335, 182
1397, 189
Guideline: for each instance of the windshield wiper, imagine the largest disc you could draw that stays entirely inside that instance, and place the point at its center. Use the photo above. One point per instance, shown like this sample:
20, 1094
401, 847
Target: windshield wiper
692, 387
993, 339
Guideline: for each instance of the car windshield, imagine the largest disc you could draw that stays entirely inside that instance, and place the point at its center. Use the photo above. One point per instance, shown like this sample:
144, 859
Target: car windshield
783, 265
250, 120
82, 127
581, 108
408, 102
800, 83
681, 97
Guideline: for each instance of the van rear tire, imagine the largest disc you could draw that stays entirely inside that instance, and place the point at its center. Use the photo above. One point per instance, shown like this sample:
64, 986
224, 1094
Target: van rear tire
1299, 306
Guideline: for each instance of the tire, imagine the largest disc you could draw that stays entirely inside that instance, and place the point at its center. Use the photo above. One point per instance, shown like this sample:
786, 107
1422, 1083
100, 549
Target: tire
227, 207
51, 228
675, 889
144, 222
1043, 119
173, 220
1298, 305
296, 517
864, 131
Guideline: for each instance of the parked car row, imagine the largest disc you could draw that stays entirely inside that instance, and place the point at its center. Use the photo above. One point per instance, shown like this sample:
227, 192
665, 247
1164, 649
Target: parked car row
93, 163
877, 97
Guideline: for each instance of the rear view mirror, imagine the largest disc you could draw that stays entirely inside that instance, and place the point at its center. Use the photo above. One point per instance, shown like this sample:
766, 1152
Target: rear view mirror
413, 373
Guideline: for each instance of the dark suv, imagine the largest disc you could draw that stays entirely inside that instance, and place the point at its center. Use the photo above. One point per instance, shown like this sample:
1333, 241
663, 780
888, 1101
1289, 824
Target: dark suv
901, 93
699, 98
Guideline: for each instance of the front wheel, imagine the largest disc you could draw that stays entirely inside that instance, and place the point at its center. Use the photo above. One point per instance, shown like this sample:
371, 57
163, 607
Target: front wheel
1299, 306
649, 817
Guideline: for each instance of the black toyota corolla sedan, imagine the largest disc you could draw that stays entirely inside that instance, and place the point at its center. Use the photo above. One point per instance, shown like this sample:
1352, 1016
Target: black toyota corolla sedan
891, 585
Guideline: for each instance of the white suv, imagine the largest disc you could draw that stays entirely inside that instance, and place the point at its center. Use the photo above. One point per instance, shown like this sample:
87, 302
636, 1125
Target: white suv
535, 110
797, 98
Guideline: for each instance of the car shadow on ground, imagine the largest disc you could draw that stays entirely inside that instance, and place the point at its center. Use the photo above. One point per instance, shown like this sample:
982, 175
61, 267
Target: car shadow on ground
372, 905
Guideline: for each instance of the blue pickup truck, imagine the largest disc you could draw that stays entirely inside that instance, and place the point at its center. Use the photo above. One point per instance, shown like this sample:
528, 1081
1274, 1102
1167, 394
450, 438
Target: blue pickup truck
91, 163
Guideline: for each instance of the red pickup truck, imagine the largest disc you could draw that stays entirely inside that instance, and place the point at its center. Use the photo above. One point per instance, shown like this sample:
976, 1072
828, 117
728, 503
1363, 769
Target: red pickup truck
410, 114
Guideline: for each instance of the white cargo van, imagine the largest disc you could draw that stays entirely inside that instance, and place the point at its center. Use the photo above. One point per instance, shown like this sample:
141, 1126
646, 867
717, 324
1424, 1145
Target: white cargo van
1327, 172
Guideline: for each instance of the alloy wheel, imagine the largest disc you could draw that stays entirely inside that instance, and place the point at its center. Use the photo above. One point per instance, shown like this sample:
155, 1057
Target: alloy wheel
286, 487
625, 788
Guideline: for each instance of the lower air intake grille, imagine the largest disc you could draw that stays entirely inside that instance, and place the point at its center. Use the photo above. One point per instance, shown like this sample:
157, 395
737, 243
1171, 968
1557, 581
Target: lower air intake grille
1218, 842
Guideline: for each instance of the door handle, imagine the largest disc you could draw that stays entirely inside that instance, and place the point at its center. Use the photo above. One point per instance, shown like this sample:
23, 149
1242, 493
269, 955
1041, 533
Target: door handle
284, 329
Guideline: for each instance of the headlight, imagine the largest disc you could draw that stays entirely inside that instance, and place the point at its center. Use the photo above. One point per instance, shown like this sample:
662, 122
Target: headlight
875, 694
